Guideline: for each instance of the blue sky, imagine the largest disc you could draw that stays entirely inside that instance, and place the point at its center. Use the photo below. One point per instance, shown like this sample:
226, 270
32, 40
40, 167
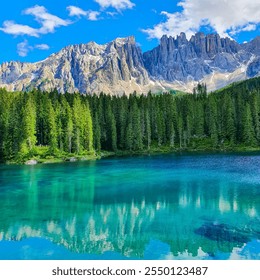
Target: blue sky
31, 30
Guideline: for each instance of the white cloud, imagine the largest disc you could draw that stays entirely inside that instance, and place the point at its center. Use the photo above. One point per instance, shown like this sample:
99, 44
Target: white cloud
225, 17
23, 48
47, 21
248, 27
42, 47
117, 4
93, 15
112, 14
76, 11
10, 27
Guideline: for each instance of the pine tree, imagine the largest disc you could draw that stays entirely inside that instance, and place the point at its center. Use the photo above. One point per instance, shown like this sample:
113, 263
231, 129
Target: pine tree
88, 128
160, 128
129, 134
213, 121
111, 128
52, 128
96, 133
78, 125
255, 109
136, 127
248, 129
10, 125
229, 122
28, 122
68, 128
147, 134
122, 121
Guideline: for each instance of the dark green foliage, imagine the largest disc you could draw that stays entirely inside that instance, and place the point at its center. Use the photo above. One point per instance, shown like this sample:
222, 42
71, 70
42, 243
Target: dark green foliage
77, 124
248, 134
28, 138
200, 89
36, 121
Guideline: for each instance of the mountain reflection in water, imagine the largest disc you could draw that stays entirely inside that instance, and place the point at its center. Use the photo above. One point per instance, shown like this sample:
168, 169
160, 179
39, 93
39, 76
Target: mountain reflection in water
204, 206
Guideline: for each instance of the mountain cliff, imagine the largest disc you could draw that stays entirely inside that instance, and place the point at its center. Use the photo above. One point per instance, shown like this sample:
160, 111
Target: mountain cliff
116, 67
206, 58
120, 66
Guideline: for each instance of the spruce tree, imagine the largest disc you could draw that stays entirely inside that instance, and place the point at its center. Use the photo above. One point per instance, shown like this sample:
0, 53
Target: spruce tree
28, 123
248, 129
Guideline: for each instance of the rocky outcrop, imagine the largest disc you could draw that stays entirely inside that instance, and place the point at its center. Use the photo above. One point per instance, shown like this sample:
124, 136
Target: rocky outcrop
31, 162
120, 67
182, 60
253, 68
253, 46
116, 67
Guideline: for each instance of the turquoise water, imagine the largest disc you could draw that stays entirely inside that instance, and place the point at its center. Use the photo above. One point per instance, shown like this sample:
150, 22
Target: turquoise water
158, 207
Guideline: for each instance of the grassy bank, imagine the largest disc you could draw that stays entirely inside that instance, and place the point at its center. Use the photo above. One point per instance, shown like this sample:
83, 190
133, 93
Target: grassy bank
43, 156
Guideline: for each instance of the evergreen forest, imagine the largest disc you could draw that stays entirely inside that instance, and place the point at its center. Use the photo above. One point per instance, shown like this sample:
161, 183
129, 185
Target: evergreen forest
44, 125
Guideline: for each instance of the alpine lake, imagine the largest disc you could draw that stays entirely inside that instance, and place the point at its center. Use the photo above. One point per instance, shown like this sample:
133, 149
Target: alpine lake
189, 206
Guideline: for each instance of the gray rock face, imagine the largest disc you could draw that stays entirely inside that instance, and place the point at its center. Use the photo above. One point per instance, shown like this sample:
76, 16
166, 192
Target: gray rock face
254, 68
253, 46
180, 59
120, 67
116, 67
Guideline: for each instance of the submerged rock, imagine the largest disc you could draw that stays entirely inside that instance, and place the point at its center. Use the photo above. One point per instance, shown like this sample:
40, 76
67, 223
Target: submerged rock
222, 233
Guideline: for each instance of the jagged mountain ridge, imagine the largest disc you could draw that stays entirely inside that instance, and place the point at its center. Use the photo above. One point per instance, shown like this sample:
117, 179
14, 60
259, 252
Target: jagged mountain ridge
120, 66
112, 68
207, 58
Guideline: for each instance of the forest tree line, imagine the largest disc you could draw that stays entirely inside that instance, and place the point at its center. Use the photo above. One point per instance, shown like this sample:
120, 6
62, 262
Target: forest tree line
50, 124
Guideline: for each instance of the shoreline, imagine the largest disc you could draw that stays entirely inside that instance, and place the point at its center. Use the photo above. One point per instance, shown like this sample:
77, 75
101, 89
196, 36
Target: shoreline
105, 154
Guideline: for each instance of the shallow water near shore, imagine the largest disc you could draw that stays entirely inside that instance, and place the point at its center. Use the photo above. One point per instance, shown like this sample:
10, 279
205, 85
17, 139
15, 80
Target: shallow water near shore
195, 206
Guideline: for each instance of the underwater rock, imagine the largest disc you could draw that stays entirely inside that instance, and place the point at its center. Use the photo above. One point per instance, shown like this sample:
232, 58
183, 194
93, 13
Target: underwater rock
222, 233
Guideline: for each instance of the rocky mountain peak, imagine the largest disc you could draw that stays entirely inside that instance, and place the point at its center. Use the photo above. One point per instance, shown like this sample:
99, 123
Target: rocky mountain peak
124, 41
182, 60
253, 46
116, 68
120, 66
181, 39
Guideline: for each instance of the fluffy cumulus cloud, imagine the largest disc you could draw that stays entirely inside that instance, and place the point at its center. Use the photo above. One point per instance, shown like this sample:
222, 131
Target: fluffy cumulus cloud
117, 4
226, 17
78, 12
48, 23
24, 48
10, 27
93, 15
42, 47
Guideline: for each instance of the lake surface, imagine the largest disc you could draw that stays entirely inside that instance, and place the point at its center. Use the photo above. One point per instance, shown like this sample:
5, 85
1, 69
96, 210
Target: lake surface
157, 207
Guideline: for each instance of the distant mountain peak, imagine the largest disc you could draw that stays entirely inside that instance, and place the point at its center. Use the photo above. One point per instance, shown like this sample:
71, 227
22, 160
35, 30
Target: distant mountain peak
125, 40
204, 57
120, 66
